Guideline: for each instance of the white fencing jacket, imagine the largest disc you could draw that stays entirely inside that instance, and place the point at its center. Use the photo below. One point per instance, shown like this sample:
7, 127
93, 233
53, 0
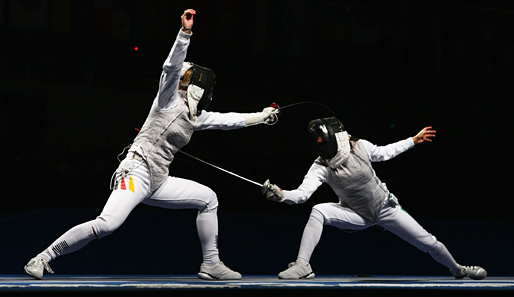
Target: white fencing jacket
168, 126
354, 181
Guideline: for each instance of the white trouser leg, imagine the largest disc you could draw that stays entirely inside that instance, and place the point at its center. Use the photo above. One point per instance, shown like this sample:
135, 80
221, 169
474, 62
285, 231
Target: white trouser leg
72, 240
399, 222
119, 205
179, 193
311, 236
341, 217
395, 220
207, 227
330, 214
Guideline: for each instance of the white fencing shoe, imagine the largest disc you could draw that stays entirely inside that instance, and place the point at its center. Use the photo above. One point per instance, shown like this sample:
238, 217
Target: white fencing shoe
217, 271
36, 267
297, 270
473, 272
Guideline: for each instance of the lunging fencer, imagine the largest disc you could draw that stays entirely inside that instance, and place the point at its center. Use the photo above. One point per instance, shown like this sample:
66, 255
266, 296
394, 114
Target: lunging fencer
185, 91
344, 163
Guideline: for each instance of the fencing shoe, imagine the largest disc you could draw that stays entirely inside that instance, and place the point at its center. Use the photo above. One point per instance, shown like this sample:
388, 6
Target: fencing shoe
297, 270
36, 267
217, 271
473, 272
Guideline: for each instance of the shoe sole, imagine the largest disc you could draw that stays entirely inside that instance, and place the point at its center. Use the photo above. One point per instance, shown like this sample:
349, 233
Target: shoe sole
204, 275
308, 276
207, 276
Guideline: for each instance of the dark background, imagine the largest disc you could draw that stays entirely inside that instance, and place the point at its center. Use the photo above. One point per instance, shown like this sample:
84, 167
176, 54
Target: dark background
73, 89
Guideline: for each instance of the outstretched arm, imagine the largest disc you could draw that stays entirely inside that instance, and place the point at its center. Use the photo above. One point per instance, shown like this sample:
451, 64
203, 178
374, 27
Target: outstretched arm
387, 152
209, 120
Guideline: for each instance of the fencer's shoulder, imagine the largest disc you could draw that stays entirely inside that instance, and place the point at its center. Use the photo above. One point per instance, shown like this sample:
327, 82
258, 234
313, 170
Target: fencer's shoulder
363, 147
363, 144
320, 162
319, 168
206, 116
320, 165
361, 141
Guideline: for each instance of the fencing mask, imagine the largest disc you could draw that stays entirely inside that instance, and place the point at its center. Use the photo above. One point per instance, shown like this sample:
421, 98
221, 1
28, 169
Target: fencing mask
329, 138
200, 87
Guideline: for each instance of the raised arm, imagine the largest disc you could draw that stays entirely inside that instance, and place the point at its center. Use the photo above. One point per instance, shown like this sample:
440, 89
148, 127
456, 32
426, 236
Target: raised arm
167, 95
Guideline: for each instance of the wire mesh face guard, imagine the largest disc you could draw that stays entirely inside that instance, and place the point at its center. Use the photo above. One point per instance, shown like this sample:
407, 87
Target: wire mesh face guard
322, 136
206, 79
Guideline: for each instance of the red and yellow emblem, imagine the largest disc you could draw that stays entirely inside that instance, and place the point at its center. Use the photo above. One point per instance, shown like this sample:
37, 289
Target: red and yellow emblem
123, 186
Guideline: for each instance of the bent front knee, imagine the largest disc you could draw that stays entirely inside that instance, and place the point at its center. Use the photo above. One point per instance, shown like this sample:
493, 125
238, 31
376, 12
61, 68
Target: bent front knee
318, 213
211, 201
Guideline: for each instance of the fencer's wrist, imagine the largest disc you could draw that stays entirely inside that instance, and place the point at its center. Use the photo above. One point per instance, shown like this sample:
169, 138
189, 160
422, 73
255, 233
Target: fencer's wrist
186, 30
254, 118
276, 194
183, 37
265, 116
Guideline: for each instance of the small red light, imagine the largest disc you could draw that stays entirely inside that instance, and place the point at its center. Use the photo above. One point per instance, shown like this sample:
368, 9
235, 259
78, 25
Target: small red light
136, 48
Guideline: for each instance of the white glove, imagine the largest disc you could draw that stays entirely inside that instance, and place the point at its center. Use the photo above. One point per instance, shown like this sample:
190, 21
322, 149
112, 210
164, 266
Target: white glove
268, 116
273, 192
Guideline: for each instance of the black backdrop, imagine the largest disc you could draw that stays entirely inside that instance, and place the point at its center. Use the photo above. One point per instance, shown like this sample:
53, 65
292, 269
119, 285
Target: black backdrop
73, 89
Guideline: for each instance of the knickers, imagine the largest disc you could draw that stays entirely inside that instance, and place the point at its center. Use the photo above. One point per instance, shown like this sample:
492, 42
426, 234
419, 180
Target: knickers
131, 189
393, 219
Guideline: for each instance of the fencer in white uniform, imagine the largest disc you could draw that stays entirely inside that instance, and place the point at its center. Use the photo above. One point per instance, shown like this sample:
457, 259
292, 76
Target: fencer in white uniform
344, 163
142, 177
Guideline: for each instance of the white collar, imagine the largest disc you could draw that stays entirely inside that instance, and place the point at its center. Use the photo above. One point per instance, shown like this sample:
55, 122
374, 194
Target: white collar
343, 150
